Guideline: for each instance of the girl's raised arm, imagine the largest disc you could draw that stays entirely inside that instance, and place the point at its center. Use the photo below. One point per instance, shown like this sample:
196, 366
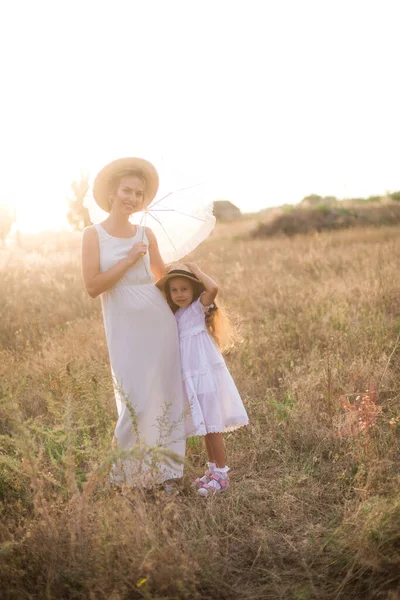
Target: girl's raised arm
211, 288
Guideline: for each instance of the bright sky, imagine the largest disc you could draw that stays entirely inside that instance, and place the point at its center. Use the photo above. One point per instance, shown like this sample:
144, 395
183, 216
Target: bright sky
268, 101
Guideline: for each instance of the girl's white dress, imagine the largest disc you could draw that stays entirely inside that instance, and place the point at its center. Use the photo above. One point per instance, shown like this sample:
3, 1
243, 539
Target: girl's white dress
215, 403
142, 340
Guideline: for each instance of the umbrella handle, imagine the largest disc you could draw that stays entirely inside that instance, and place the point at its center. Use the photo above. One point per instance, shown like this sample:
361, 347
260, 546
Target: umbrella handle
144, 224
143, 232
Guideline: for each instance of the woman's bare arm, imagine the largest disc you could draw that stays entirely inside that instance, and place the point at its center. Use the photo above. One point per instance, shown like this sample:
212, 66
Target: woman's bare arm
211, 288
156, 262
95, 282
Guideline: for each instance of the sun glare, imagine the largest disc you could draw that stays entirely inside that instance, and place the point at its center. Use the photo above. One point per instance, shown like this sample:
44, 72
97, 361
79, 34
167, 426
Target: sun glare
285, 120
40, 201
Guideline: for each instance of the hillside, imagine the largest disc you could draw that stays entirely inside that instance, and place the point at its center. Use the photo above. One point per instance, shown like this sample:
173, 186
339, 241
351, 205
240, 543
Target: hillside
316, 213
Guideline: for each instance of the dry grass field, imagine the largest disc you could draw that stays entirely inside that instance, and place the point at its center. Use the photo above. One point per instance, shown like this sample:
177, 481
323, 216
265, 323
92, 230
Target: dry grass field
313, 511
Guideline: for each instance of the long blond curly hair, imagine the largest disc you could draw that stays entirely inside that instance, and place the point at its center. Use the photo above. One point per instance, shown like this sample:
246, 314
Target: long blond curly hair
218, 323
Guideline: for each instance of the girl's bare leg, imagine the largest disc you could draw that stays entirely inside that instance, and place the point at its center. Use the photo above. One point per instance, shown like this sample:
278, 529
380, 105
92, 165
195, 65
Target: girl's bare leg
209, 449
215, 449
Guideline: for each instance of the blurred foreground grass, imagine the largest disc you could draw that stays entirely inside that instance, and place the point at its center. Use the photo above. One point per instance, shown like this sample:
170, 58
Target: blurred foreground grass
314, 506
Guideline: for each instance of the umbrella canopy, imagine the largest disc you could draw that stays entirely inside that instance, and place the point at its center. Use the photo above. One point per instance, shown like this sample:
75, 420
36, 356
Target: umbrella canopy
180, 220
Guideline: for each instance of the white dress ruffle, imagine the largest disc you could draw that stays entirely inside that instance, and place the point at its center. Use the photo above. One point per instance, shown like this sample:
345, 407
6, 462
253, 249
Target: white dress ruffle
214, 401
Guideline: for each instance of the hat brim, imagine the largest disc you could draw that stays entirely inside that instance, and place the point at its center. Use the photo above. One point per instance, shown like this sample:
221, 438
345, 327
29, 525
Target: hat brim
103, 179
177, 273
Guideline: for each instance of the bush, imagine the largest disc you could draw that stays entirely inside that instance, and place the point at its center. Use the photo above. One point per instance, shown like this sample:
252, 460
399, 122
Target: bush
324, 217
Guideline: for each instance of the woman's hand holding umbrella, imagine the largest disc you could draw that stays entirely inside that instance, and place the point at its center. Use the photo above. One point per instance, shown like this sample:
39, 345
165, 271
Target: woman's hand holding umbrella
137, 251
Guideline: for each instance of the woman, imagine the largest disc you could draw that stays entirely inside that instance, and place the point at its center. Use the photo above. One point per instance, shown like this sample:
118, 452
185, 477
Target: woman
120, 262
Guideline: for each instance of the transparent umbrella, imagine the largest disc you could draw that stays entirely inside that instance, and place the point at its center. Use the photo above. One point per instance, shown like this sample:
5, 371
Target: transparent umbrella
180, 220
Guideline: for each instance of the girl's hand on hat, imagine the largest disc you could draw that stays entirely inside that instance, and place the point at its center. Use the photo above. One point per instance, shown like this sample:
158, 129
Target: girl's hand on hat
210, 287
193, 267
137, 251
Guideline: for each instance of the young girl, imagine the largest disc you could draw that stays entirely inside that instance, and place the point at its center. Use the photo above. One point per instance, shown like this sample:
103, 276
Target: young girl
215, 404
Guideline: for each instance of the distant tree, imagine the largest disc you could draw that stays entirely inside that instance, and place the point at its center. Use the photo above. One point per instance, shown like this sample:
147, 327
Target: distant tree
314, 200
311, 200
78, 215
6, 221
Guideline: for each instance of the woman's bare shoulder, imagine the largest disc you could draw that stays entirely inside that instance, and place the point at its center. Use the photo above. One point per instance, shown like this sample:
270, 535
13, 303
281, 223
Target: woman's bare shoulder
90, 236
150, 234
90, 231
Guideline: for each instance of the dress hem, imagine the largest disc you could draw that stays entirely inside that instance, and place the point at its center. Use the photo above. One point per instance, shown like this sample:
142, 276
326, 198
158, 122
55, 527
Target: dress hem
228, 429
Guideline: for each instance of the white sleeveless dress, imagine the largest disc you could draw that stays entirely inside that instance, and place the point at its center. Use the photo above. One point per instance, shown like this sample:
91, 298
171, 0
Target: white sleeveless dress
142, 340
215, 403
